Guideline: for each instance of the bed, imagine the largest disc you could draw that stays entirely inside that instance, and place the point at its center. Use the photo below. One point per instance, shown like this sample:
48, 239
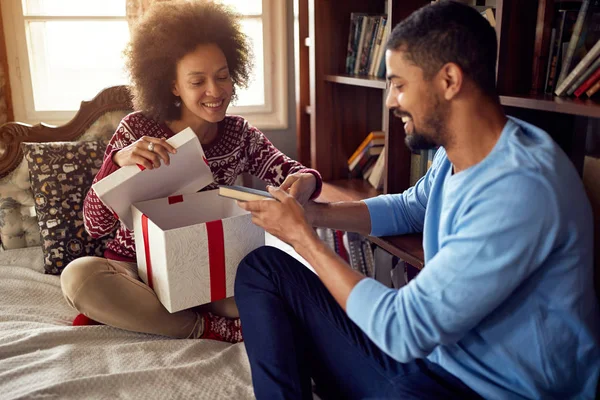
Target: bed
41, 354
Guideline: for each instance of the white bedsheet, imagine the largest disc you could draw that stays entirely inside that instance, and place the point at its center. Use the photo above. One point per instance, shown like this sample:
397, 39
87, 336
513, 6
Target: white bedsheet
43, 356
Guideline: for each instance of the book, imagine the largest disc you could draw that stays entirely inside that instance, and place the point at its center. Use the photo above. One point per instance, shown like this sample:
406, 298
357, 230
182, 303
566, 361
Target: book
586, 80
566, 65
590, 34
374, 138
353, 38
488, 14
363, 159
359, 49
578, 70
376, 178
379, 47
591, 91
243, 193
564, 23
541, 47
380, 68
548, 68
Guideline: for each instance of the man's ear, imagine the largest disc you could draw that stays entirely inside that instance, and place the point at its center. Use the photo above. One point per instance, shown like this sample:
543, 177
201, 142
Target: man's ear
451, 78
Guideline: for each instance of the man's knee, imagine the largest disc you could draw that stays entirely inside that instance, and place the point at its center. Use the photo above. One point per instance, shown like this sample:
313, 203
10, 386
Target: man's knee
77, 273
260, 261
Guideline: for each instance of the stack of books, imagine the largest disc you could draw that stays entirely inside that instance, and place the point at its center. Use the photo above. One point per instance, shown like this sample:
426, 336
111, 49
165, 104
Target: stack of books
420, 162
368, 158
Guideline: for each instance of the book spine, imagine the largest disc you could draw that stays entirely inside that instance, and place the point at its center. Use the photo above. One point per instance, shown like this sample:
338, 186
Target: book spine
359, 48
591, 91
566, 66
550, 55
583, 64
378, 46
542, 38
364, 68
350, 57
587, 80
556, 52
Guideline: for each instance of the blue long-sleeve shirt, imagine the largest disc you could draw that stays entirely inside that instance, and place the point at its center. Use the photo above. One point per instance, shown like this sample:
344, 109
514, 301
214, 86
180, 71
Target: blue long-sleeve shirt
506, 301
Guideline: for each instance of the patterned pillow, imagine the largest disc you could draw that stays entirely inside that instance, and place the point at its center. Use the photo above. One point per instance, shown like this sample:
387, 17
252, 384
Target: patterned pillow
61, 174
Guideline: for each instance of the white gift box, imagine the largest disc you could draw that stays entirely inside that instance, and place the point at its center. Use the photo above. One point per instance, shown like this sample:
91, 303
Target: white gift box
187, 172
189, 246
272, 241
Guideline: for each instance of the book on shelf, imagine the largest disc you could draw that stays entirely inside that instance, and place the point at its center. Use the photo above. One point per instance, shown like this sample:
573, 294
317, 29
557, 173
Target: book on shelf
420, 162
563, 24
366, 40
586, 33
376, 177
369, 29
488, 14
367, 158
356, 20
586, 80
594, 89
366, 154
579, 69
379, 47
373, 138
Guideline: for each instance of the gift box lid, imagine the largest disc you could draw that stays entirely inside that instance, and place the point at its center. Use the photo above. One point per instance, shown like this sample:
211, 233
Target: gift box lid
188, 172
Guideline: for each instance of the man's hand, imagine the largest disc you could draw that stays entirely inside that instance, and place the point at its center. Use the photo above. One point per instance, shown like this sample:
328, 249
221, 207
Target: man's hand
283, 218
300, 185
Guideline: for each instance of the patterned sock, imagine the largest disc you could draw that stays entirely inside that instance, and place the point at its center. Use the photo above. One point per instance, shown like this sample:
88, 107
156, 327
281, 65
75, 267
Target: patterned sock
222, 328
81, 320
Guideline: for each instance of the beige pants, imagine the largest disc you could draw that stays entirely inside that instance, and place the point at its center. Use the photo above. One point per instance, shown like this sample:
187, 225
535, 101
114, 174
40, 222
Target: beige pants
110, 292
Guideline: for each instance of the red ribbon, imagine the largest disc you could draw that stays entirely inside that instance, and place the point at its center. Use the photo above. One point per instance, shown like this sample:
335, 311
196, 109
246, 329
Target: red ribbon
216, 255
147, 249
216, 259
175, 199
141, 167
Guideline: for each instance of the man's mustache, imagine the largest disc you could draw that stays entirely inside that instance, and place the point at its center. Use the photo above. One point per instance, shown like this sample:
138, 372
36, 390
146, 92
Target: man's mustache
401, 114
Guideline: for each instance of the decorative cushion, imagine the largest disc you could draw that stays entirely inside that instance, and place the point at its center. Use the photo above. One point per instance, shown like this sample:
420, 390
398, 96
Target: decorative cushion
61, 174
18, 223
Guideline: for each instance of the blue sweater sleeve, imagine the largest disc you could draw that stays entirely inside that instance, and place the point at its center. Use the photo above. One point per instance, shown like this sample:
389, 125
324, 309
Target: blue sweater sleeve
397, 214
501, 237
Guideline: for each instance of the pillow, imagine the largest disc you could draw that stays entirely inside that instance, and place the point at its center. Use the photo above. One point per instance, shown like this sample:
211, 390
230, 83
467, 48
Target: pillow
61, 174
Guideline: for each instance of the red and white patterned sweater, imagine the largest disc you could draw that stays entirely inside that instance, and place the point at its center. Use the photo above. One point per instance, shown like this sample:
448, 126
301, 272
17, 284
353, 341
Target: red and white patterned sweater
239, 147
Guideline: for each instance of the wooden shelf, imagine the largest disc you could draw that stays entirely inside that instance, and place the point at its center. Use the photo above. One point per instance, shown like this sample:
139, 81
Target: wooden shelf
564, 105
364, 81
347, 190
407, 247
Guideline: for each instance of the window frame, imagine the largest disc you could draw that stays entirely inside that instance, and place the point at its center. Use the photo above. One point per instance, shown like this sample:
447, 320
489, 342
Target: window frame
272, 115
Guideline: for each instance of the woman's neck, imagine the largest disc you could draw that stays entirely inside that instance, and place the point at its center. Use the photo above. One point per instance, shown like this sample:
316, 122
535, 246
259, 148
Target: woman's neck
206, 131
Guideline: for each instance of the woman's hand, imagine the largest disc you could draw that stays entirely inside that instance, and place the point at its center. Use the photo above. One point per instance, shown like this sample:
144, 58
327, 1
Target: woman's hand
300, 185
146, 151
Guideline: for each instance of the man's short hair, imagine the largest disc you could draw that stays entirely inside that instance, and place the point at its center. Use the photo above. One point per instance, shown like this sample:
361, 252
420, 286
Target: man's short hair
449, 31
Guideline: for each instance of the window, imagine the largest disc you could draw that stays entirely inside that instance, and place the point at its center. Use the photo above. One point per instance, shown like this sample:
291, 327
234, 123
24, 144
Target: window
63, 52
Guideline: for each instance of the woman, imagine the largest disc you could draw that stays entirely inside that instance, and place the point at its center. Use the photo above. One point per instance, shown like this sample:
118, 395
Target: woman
185, 60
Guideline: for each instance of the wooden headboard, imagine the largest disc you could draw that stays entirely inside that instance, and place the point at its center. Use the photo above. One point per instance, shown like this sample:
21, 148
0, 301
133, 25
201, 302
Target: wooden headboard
12, 134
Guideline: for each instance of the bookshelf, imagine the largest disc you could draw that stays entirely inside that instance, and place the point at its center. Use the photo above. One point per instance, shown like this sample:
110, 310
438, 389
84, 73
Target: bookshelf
345, 108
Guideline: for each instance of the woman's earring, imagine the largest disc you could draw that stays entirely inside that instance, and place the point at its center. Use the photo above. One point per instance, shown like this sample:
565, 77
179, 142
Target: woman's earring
177, 103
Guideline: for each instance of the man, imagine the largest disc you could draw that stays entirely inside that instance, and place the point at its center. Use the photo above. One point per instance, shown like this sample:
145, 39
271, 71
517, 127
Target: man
505, 306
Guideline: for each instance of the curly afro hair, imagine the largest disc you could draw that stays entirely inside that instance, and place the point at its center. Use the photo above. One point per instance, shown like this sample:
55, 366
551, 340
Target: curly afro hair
167, 32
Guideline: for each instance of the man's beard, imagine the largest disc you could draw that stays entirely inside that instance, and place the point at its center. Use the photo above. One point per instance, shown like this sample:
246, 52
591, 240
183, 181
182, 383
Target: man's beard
416, 141
432, 134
